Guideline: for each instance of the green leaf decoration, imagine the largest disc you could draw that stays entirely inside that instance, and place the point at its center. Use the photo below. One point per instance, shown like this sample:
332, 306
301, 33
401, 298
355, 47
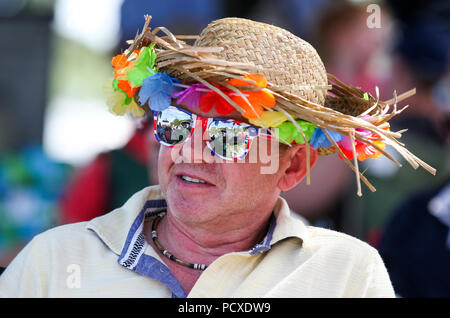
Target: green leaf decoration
144, 67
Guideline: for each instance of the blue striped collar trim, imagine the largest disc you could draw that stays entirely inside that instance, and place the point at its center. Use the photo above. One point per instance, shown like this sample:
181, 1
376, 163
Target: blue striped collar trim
265, 243
135, 243
133, 257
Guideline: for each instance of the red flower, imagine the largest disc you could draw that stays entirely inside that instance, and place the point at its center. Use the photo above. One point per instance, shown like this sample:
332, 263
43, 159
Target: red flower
212, 98
362, 149
257, 99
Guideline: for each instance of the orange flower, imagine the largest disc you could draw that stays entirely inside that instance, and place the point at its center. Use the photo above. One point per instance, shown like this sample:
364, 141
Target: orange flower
259, 80
120, 64
125, 86
120, 61
256, 99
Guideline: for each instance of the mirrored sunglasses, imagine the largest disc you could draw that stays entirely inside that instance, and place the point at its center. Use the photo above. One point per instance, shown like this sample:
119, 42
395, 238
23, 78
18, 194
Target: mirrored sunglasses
227, 138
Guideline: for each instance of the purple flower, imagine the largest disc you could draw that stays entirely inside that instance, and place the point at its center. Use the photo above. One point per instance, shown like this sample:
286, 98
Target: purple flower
190, 96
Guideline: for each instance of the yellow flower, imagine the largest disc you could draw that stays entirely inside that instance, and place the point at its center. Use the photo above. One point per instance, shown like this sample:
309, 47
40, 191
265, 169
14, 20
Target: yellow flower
116, 104
269, 119
135, 109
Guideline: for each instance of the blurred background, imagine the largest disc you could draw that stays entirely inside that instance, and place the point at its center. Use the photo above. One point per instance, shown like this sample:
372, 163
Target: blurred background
64, 158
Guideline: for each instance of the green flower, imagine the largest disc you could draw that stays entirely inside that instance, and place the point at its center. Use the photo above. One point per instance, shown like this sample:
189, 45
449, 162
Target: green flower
144, 67
287, 132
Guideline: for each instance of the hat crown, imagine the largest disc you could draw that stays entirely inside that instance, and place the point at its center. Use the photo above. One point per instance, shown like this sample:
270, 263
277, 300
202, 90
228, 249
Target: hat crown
287, 59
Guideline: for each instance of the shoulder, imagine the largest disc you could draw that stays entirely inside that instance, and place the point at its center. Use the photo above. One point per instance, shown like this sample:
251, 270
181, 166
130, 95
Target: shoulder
319, 234
64, 233
338, 245
61, 242
45, 259
355, 260
337, 264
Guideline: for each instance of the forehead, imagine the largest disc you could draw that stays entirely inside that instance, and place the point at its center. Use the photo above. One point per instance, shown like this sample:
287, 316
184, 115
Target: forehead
213, 114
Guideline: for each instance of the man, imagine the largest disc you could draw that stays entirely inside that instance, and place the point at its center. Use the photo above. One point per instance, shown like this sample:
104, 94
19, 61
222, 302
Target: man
215, 225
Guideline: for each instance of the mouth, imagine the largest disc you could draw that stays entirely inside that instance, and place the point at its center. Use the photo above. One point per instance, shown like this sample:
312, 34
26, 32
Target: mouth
193, 180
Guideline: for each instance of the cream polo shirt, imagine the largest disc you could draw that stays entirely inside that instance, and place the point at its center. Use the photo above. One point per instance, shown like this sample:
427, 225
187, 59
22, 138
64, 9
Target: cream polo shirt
109, 257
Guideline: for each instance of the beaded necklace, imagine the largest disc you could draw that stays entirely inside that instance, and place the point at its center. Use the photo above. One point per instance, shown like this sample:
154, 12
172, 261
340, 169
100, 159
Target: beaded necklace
165, 252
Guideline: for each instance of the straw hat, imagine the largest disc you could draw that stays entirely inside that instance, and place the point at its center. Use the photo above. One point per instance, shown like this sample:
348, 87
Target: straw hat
233, 48
286, 60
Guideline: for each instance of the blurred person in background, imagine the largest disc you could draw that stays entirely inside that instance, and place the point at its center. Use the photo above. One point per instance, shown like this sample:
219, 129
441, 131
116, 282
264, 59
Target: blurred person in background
415, 244
353, 49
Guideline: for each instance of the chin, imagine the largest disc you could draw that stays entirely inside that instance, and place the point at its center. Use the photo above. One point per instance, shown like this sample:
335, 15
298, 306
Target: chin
194, 207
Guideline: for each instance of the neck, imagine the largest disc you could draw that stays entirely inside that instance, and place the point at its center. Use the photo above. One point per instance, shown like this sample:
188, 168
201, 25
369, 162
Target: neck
205, 243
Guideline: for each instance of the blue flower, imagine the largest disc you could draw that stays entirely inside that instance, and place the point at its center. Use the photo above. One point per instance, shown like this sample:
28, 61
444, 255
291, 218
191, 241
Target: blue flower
156, 90
320, 139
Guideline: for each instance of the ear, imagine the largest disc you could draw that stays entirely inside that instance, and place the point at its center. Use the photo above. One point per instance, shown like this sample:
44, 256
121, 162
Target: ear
296, 166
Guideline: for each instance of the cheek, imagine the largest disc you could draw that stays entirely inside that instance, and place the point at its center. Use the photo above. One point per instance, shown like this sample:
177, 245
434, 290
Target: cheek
164, 163
246, 181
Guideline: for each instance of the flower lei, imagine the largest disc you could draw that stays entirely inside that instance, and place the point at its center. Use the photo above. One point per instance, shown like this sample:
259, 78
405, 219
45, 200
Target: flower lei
157, 90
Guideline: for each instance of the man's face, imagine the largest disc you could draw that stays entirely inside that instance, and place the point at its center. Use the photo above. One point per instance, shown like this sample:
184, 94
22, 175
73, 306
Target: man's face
230, 188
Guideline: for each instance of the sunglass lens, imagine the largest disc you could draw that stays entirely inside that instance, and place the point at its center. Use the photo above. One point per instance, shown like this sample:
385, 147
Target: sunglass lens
173, 126
228, 139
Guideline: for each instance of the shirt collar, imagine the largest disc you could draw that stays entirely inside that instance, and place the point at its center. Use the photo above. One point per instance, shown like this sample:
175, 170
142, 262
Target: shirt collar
113, 228
289, 223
